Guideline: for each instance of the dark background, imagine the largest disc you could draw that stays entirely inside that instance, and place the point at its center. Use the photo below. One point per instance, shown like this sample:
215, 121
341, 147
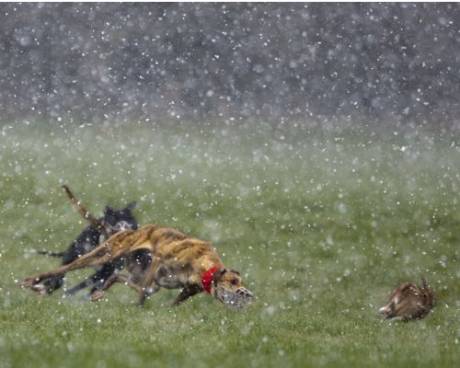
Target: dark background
363, 63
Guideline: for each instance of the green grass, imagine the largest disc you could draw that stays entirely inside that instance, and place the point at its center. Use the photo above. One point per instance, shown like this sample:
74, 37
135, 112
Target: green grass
322, 226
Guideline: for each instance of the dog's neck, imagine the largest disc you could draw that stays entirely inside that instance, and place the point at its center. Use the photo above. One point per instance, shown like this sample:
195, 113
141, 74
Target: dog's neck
207, 278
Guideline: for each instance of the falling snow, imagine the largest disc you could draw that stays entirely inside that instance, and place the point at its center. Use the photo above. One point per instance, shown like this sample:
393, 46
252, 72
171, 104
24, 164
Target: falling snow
315, 145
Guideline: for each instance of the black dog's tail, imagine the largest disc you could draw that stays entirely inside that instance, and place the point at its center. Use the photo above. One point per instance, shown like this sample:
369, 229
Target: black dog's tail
98, 224
51, 254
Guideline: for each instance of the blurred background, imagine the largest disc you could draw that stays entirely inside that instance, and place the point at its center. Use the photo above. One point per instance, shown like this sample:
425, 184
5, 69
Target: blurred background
373, 64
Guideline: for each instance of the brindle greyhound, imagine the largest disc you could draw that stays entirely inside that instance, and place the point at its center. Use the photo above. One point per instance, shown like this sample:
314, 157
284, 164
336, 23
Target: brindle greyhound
409, 301
176, 261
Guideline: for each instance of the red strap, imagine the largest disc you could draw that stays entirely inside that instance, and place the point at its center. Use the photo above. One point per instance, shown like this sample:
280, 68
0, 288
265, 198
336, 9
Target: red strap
206, 279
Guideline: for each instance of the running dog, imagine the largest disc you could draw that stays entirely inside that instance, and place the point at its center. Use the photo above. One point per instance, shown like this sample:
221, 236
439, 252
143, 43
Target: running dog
174, 261
97, 231
408, 302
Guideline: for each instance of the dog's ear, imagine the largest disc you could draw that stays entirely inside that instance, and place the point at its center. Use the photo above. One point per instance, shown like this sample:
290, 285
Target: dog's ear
131, 205
218, 275
234, 271
108, 210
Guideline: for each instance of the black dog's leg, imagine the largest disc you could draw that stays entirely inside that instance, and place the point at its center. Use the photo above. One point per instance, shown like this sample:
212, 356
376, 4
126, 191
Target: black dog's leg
96, 280
82, 285
50, 285
100, 277
53, 284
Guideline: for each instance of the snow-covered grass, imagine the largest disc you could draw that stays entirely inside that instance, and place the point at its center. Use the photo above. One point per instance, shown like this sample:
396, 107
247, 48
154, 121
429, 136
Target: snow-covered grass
321, 225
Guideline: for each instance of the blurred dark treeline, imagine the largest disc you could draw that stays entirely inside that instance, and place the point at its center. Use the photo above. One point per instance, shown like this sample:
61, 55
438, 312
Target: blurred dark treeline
276, 62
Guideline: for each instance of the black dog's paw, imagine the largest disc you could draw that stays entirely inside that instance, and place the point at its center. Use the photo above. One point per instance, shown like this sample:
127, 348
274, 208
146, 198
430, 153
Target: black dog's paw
40, 289
31, 283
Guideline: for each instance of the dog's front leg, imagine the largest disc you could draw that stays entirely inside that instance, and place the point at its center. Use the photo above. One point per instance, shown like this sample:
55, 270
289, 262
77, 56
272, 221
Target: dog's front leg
98, 293
146, 292
149, 285
187, 292
120, 278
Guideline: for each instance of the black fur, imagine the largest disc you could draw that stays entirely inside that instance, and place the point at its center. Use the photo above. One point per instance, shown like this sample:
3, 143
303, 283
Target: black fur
88, 239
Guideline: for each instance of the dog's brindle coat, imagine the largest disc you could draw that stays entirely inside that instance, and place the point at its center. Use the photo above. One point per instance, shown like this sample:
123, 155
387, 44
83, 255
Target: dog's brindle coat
99, 230
177, 261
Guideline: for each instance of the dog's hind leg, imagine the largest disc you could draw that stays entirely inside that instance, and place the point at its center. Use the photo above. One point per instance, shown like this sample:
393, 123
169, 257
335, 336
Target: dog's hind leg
98, 256
96, 281
49, 285
124, 279
106, 271
82, 285
97, 294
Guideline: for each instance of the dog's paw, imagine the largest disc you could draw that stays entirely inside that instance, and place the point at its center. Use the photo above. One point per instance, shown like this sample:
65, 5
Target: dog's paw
97, 295
29, 282
40, 289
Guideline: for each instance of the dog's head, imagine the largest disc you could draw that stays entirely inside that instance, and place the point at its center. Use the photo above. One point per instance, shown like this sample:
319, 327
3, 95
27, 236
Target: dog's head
119, 220
408, 301
229, 290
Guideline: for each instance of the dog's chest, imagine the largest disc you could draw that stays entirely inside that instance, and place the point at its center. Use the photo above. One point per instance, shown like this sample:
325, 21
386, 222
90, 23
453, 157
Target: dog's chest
171, 276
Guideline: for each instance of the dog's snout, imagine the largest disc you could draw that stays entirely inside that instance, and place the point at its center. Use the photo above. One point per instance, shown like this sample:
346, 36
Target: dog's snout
245, 292
122, 226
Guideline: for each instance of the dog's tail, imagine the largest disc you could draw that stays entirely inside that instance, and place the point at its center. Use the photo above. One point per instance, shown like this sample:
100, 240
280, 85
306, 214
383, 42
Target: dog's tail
98, 224
51, 254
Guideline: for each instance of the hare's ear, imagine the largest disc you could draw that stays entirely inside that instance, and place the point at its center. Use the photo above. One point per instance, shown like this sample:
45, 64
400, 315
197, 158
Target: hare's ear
131, 205
424, 283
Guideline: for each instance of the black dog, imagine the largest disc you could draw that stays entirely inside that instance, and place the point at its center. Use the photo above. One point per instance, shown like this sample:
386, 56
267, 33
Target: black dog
97, 232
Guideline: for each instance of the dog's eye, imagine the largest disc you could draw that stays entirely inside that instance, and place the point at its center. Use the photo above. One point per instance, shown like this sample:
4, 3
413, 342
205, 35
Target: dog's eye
234, 282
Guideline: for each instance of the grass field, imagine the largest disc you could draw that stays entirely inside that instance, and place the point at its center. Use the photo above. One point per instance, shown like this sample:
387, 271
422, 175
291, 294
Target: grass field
322, 226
